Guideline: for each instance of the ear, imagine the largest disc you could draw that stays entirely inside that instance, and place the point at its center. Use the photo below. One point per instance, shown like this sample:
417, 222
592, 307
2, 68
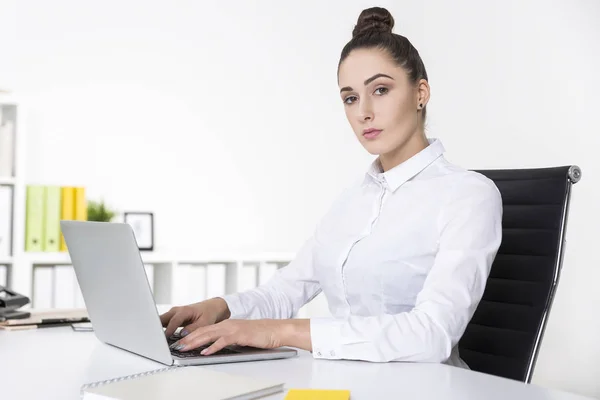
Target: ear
422, 93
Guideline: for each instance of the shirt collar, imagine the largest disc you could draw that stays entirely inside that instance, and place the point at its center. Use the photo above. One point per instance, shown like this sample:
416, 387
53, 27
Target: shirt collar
397, 176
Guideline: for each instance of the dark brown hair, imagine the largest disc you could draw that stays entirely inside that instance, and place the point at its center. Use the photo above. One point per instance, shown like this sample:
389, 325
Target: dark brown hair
374, 30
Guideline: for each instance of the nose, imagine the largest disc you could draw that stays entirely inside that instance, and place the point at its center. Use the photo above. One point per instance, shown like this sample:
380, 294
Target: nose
365, 111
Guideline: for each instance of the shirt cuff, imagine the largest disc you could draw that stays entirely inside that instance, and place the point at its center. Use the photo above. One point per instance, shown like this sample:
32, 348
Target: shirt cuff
326, 338
235, 305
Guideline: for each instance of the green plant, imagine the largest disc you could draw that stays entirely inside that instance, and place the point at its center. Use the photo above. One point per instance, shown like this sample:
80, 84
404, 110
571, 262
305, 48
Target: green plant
98, 211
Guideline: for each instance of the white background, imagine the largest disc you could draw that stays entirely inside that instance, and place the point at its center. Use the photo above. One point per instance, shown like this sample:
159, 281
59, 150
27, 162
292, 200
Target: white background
223, 118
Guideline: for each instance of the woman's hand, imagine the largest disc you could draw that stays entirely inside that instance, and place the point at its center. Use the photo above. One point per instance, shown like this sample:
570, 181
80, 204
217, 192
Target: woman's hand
261, 333
194, 316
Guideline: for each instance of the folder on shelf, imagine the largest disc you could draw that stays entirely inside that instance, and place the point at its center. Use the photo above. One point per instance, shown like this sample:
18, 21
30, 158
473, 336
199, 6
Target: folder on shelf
247, 277
67, 210
34, 225
5, 221
52, 219
197, 281
266, 272
64, 282
43, 286
80, 204
7, 147
3, 275
215, 280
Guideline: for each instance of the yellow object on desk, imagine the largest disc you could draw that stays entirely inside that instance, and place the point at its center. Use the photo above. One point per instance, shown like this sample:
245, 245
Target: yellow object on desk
317, 394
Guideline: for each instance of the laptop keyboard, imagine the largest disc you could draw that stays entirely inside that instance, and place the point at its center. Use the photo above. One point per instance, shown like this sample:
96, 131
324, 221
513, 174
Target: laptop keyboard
195, 352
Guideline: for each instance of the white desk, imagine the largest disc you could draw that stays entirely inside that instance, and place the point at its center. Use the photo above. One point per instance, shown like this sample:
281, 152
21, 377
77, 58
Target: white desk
53, 363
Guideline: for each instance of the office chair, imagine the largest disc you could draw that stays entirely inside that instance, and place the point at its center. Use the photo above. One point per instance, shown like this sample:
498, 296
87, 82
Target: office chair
503, 337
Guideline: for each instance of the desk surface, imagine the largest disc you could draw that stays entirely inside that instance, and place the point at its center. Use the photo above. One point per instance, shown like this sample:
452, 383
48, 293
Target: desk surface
54, 363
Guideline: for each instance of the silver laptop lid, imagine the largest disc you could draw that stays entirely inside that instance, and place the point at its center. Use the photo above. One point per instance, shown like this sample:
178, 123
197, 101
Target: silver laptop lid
117, 295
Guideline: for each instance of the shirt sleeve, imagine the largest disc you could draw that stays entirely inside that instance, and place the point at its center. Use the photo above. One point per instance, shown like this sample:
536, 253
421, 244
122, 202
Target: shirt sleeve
283, 295
470, 233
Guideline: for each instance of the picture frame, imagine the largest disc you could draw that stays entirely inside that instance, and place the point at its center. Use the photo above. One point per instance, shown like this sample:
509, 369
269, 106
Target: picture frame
142, 224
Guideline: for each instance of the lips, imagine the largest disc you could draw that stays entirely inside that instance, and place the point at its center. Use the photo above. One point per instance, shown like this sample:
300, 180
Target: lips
371, 133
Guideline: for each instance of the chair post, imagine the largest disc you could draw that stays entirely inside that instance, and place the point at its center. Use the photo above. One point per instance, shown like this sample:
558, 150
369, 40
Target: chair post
573, 176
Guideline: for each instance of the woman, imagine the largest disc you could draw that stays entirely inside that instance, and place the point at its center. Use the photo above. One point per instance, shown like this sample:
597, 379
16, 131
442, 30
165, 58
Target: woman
402, 257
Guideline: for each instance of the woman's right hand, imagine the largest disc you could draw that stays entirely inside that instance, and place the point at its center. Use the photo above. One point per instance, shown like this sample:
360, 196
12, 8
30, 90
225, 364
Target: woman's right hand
194, 316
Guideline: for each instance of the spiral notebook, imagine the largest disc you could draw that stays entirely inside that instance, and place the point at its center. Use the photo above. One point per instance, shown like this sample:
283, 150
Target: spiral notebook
181, 382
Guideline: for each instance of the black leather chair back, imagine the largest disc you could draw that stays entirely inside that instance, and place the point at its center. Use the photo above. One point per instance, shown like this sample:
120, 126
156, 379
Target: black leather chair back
504, 335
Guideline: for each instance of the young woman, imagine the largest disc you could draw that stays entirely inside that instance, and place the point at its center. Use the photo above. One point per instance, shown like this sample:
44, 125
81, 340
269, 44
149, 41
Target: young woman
402, 257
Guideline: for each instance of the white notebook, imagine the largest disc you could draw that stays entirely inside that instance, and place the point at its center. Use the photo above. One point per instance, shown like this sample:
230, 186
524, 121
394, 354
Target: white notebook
181, 383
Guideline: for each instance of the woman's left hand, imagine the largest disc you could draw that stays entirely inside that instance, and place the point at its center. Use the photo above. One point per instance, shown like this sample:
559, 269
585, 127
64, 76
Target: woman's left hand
261, 333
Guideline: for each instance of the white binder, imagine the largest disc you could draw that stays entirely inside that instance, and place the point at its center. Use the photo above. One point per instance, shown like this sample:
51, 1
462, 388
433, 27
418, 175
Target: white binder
266, 272
7, 139
43, 287
215, 280
5, 220
247, 278
3, 275
64, 286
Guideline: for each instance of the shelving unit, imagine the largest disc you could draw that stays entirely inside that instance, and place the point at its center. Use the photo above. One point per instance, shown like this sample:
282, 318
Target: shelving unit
15, 182
21, 266
165, 269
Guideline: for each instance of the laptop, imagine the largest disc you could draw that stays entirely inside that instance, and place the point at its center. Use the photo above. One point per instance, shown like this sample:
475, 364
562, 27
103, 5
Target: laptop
119, 300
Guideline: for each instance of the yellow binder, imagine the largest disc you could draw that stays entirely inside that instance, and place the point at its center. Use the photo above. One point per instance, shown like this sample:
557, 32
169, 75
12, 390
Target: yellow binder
67, 211
52, 218
80, 204
34, 219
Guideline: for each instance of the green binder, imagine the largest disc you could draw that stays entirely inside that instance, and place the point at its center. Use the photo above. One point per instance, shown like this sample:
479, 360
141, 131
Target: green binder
34, 226
52, 216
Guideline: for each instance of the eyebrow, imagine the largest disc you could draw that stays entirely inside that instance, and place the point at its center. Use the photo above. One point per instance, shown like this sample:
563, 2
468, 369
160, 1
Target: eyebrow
371, 79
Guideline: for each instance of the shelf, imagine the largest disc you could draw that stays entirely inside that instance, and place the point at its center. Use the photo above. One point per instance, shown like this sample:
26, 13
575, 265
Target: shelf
7, 180
49, 258
63, 258
5, 260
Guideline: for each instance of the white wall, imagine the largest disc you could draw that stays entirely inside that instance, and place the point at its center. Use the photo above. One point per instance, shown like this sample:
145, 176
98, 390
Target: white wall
224, 119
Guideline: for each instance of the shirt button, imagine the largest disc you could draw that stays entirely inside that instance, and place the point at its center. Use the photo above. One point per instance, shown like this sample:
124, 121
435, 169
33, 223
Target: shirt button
332, 353
319, 353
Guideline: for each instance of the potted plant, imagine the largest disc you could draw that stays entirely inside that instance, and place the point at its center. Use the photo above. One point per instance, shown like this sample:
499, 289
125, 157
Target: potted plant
98, 211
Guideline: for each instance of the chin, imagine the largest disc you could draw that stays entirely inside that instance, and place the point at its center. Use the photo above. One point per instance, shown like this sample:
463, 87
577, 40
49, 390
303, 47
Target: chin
376, 147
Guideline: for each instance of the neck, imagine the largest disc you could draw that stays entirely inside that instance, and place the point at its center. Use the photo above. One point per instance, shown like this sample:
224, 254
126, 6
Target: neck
415, 144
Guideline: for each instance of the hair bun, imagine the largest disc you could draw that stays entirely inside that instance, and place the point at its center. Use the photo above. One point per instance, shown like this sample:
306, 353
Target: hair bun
372, 20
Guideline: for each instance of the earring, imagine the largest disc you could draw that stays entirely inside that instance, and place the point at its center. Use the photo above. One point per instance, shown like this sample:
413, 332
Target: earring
420, 105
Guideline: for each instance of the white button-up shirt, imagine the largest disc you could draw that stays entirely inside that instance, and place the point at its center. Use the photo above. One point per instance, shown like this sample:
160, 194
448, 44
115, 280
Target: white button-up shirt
402, 258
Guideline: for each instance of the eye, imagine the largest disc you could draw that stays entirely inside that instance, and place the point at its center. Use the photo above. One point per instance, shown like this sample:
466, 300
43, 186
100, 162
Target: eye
350, 99
382, 90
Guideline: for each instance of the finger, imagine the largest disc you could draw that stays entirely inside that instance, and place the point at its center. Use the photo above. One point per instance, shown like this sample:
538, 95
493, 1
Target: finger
175, 322
199, 337
166, 317
218, 345
200, 323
